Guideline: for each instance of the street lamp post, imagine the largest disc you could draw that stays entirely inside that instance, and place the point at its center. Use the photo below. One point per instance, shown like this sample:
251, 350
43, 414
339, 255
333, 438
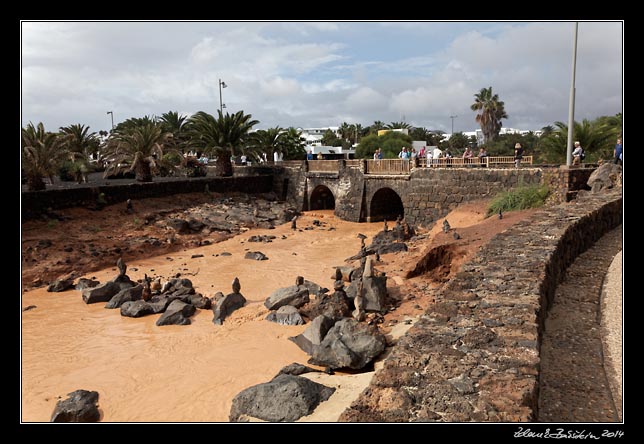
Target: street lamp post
221, 103
111, 113
453, 117
571, 103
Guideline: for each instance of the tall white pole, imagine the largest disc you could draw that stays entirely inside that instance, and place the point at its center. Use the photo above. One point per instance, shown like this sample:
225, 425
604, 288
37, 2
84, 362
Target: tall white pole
571, 103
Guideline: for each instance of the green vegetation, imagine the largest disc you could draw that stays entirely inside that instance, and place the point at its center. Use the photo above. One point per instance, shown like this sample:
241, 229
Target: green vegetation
491, 111
221, 137
42, 153
597, 138
141, 147
390, 143
521, 198
289, 142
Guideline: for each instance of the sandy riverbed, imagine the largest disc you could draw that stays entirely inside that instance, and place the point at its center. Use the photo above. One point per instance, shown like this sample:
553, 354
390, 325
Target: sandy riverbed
146, 373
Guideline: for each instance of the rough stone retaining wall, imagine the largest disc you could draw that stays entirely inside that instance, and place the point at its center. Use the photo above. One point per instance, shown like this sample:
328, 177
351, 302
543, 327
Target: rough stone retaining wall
565, 183
35, 202
474, 355
431, 193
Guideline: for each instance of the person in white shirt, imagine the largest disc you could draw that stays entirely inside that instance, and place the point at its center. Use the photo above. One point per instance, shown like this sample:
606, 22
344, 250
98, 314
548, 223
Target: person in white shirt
577, 154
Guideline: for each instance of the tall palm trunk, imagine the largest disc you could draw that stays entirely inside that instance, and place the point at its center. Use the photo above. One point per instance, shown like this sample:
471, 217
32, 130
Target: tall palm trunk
143, 171
223, 165
35, 182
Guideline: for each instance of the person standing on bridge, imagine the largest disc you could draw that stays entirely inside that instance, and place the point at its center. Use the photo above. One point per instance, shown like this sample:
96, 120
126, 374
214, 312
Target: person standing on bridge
618, 152
467, 155
518, 154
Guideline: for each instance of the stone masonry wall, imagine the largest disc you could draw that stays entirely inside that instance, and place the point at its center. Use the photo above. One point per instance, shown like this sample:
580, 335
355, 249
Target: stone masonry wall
35, 202
349, 203
431, 193
474, 355
565, 182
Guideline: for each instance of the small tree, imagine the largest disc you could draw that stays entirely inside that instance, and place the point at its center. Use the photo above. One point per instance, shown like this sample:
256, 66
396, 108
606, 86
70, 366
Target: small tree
390, 144
42, 153
141, 147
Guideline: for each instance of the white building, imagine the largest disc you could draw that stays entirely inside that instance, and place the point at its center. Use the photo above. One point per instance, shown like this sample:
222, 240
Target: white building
313, 136
479, 133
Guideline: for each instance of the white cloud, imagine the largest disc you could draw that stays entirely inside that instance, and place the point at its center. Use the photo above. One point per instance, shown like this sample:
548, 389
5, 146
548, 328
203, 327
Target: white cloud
317, 73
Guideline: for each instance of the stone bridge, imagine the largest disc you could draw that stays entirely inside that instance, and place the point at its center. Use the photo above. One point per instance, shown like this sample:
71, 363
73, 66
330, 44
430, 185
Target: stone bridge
421, 196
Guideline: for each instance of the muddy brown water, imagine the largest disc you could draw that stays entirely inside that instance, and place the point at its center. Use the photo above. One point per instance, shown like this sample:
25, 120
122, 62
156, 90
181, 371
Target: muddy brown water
145, 373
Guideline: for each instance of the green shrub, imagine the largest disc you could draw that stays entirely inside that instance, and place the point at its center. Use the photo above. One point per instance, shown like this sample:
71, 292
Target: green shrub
521, 198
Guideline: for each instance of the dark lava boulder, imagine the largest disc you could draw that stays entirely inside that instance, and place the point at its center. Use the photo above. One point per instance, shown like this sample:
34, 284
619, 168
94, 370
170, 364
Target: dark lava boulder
295, 295
295, 369
374, 292
61, 285
349, 343
284, 399
286, 315
335, 306
81, 406
314, 334
101, 293
255, 255
84, 283
136, 309
606, 176
129, 294
200, 301
177, 313
224, 306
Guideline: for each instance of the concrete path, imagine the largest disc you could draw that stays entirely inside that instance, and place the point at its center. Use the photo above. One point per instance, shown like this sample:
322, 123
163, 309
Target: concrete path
612, 322
574, 386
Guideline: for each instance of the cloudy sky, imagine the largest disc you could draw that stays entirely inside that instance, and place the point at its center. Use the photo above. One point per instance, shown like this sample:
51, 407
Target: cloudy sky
311, 74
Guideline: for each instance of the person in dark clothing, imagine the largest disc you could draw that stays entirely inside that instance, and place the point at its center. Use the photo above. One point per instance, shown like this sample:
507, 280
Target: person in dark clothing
618, 152
518, 154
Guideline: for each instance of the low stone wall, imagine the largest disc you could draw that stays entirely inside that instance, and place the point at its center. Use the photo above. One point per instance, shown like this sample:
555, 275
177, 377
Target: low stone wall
474, 355
565, 182
35, 202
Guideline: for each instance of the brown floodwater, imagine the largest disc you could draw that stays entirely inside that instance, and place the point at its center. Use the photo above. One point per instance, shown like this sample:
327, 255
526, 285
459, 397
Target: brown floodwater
145, 373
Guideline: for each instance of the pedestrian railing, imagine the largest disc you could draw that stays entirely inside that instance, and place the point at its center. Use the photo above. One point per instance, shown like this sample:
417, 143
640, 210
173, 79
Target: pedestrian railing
388, 166
324, 166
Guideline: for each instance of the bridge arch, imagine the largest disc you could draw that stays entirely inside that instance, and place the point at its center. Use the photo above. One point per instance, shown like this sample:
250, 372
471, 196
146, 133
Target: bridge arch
385, 204
321, 198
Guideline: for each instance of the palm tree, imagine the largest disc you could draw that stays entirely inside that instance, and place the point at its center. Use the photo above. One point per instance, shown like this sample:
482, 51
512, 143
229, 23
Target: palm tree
141, 147
220, 137
345, 131
293, 144
135, 122
491, 112
376, 126
42, 152
398, 125
174, 123
597, 138
81, 145
267, 141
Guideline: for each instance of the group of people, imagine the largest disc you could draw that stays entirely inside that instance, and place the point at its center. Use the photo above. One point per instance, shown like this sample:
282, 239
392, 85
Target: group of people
578, 154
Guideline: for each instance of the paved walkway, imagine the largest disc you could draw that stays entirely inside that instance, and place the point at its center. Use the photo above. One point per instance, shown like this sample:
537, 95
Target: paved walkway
574, 386
612, 329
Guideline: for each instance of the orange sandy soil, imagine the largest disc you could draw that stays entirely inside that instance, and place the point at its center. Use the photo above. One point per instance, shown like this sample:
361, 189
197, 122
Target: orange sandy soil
145, 373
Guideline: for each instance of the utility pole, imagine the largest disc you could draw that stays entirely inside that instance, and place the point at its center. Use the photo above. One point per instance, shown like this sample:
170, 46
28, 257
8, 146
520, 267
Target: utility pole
453, 117
571, 103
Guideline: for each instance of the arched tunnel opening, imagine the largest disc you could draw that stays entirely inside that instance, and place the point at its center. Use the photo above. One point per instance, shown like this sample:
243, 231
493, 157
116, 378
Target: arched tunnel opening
322, 199
386, 204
